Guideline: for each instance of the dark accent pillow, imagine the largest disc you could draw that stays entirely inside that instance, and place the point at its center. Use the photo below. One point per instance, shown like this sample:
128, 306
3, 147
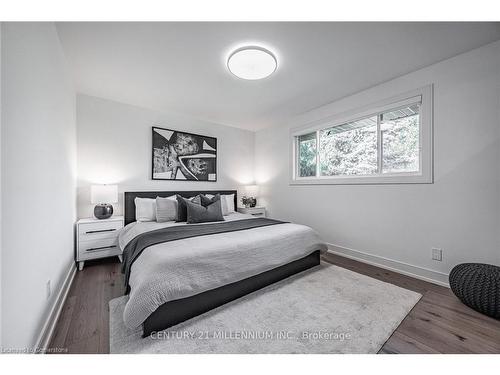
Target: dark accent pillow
196, 213
206, 201
182, 208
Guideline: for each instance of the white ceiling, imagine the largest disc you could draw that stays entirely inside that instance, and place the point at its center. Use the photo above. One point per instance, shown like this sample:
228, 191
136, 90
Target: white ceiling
180, 67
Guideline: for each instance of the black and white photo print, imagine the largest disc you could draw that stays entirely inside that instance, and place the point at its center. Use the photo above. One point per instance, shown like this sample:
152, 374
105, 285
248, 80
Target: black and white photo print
183, 156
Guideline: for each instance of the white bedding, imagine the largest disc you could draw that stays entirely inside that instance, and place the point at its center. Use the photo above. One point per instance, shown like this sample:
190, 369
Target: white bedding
182, 268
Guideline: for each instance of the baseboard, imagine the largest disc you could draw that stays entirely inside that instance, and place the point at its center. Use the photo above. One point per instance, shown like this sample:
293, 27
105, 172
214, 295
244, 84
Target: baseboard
417, 272
47, 331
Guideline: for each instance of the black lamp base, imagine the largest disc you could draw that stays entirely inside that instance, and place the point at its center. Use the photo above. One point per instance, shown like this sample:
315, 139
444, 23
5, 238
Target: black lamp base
103, 211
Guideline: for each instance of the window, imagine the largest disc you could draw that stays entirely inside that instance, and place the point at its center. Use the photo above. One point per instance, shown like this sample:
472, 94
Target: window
349, 149
307, 155
386, 143
399, 131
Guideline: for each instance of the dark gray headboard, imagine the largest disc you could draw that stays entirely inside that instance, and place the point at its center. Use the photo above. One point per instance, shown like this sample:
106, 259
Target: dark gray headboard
129, 204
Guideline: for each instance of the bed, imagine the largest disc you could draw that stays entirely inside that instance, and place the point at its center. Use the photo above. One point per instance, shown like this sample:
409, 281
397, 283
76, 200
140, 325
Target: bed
170, 282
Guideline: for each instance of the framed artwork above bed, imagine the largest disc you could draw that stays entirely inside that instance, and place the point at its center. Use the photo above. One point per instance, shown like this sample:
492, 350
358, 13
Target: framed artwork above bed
179, 155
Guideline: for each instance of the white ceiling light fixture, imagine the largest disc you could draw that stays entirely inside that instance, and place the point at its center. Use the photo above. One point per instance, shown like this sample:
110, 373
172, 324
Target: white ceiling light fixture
252, 62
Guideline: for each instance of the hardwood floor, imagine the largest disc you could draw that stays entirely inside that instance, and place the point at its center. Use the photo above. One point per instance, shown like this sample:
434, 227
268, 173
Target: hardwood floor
83, 326
439, 322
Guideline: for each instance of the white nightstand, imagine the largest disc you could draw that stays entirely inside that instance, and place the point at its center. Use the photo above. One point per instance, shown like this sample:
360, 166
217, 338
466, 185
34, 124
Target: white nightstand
97, 239
254, 211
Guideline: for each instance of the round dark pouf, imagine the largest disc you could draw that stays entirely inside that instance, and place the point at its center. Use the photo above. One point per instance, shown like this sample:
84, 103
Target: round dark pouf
478, 286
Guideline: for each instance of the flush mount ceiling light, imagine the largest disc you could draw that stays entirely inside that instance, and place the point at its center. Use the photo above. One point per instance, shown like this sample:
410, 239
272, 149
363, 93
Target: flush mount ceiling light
252, 62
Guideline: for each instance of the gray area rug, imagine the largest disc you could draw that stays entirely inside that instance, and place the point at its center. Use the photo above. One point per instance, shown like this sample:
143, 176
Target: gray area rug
327, 309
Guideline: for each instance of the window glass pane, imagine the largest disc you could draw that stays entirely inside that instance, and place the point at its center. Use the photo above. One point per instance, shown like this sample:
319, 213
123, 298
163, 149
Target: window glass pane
400, 140
307, 155
349, 149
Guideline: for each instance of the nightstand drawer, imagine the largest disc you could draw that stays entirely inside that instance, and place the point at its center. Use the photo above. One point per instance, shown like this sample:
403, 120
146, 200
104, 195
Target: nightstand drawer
98, 248
254, 211
257, 213
92, 231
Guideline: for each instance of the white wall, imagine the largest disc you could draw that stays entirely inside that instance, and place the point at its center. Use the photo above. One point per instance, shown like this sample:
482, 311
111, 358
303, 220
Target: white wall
458, 213
38, 177
114, 146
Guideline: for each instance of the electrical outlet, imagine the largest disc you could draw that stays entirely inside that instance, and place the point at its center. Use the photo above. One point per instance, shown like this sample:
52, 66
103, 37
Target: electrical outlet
48, 289
437, 254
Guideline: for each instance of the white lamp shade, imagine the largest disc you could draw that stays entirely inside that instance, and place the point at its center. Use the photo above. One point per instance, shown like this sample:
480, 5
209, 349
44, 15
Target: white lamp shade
252, 190
103, 194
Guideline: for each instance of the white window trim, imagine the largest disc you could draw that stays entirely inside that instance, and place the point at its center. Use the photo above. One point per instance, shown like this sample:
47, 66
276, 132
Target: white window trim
424, 176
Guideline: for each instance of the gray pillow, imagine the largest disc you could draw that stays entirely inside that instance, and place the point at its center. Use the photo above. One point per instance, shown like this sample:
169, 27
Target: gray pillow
205, 200
196, 213
166, 209
181, 206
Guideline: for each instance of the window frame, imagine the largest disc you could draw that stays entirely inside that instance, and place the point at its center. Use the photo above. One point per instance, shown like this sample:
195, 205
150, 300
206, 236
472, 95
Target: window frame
423, 176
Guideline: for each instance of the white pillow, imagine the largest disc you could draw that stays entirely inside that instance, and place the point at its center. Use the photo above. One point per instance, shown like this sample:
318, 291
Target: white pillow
227, 204
145, 209
166, 209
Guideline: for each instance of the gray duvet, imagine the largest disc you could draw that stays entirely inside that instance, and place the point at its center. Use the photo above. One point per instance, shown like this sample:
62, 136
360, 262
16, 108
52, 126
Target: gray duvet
182, 268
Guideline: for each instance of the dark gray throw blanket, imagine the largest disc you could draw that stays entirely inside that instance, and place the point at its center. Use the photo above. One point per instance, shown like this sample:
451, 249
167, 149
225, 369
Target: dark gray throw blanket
136, 246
